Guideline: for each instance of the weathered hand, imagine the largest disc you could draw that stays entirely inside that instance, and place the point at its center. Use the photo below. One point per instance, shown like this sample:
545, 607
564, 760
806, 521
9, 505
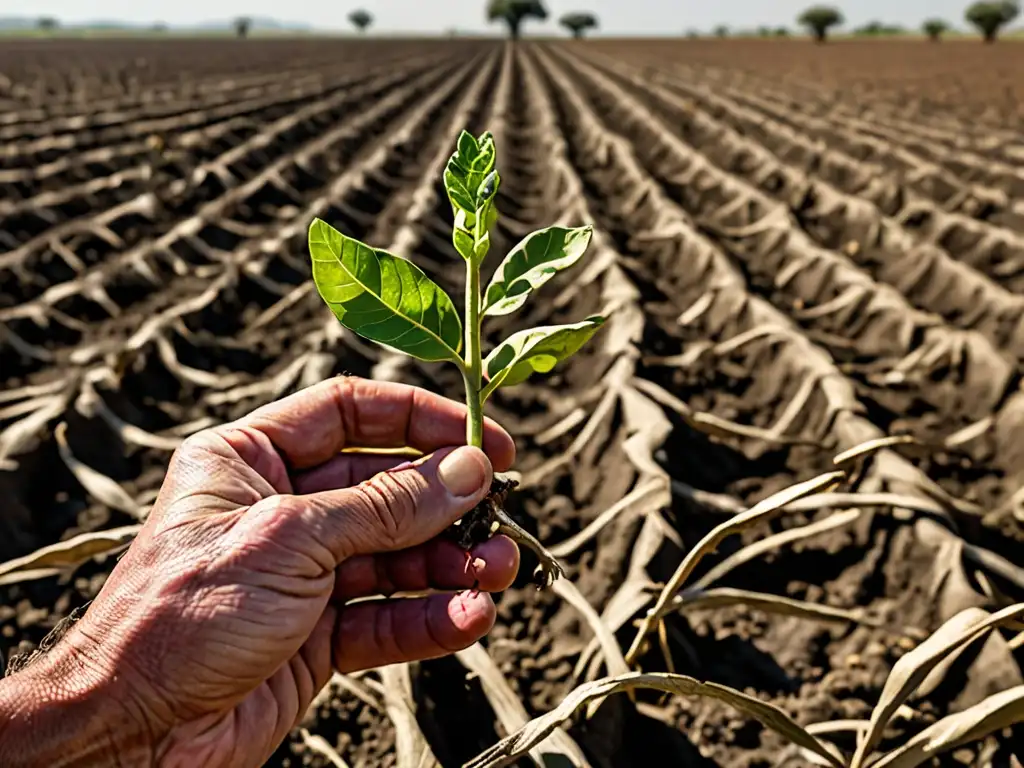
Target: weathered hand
230, 610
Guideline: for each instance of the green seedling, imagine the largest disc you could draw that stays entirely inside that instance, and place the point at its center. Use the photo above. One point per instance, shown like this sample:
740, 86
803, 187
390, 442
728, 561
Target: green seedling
389, 300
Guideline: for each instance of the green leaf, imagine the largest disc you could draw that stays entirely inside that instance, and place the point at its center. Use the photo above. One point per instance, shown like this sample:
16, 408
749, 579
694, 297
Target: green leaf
482, 247
484, 162
468, 174
455, 184
382, 297
468, 149
537, 350
463, 242
531, 264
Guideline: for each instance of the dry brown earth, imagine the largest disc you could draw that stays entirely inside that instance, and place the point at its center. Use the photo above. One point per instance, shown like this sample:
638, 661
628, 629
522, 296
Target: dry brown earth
823, 244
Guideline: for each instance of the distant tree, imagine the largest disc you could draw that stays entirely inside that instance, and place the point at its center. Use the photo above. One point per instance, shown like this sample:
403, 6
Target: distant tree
935, 29
514, 12
819, 19
361, 19
47, 24
693, 34
243, 24
721, 31
989, 18
578, 23
764, 31
159, 27
781, 32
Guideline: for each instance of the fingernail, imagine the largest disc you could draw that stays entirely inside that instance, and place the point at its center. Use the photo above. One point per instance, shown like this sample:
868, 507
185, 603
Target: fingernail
462, 472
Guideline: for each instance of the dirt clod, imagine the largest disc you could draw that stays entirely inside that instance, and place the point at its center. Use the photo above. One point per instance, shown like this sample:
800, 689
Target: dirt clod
480, 523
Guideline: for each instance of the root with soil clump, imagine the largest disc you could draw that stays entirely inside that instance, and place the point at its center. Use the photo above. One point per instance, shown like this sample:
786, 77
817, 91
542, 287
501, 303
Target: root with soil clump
489, 518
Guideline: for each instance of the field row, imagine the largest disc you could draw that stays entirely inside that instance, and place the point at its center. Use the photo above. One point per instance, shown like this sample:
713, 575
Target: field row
776, 295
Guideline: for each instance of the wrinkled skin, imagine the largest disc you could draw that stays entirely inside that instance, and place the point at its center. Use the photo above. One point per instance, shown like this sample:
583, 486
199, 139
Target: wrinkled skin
229, 612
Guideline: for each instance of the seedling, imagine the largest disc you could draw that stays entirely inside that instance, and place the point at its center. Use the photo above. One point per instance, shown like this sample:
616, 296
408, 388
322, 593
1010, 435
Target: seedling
389, 300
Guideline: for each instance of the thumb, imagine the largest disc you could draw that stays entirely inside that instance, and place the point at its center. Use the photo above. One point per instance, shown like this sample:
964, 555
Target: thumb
398, 508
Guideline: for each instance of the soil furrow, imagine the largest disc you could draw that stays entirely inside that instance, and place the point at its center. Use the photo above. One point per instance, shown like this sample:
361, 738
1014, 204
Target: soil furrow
969, 168
819, 288
743, 350
169, 170
236, 121
83, 132
677, 266
193, 245
893, 254
189, 206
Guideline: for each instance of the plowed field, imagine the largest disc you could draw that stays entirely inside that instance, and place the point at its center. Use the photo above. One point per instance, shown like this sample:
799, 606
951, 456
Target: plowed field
802, 248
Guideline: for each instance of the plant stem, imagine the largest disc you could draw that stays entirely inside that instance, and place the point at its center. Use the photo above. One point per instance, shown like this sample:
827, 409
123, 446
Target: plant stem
473, 371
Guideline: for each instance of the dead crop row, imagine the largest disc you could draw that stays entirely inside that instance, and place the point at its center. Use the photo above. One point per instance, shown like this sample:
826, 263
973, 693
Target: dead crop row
678, 267
892, 347
141, 80
697, 278
190, 132
953, 191
22, 135
714, 384
144, 228
964, 220
957, 114
940, 129
931, 203
892, 253
184, 113
198, 163
929, 177
970, 167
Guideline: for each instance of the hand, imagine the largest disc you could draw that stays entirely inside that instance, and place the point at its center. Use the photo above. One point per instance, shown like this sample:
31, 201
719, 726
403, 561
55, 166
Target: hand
229, 611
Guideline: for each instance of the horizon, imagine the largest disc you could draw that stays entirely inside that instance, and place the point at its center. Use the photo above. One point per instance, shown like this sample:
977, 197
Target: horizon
640, 18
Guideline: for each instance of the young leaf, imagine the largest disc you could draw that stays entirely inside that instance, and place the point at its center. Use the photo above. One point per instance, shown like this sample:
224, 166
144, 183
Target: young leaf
537, 350
468, 172
455, 184
382, 297
463, 242
486, 142
468, 147
531, 264
484, 162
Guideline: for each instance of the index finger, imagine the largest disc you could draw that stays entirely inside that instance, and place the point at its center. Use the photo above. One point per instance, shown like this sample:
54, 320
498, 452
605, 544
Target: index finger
316, 423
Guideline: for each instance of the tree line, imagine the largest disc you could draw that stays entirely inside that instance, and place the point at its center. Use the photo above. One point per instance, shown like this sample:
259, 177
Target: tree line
988, 17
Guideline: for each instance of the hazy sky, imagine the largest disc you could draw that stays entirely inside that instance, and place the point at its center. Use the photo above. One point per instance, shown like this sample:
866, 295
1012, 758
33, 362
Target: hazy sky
617, 16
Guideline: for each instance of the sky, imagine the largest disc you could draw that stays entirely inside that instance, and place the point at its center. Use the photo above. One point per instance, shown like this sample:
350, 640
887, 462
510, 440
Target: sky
641, 17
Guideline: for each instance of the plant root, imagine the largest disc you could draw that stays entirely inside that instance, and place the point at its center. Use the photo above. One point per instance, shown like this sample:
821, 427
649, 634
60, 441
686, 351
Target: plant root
489, 518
